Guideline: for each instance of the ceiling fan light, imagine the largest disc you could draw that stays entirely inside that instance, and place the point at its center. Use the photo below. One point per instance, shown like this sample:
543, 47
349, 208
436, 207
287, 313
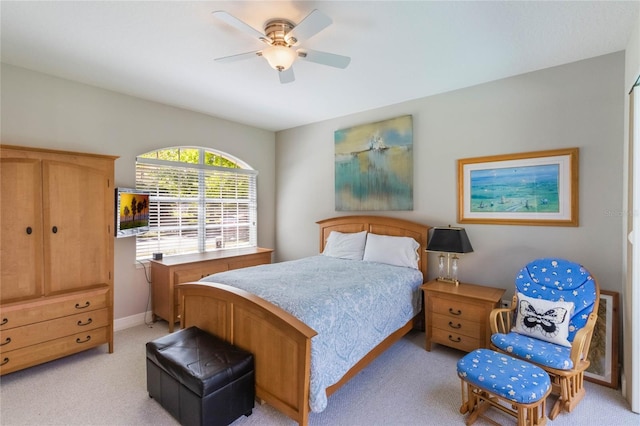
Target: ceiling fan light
279, 57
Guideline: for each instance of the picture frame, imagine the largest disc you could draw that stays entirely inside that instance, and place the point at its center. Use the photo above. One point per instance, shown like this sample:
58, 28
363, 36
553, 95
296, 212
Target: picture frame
531, 188
603, 351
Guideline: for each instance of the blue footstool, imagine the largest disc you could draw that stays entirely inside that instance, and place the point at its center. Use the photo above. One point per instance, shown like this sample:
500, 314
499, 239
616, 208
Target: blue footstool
511, 385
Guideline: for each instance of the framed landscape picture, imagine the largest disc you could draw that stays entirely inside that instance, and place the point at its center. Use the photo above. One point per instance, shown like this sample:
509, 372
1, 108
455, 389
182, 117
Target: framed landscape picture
533, 188
603, 351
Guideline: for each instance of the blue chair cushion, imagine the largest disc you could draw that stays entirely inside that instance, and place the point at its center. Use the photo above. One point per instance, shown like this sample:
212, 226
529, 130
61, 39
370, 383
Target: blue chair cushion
505, 376
534, 350
560, 280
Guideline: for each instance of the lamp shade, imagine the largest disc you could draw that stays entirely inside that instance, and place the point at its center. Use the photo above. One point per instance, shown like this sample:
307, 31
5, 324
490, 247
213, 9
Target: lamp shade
279, 57
449, 240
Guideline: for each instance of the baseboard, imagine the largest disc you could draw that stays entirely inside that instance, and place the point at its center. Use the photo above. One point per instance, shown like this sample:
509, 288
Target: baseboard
132, 321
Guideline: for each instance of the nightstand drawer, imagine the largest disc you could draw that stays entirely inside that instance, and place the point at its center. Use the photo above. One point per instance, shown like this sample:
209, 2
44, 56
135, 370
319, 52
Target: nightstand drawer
455, 340
457, 309
456, 325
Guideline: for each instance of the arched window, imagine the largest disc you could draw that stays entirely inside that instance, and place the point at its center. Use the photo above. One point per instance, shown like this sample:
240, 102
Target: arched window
201, 200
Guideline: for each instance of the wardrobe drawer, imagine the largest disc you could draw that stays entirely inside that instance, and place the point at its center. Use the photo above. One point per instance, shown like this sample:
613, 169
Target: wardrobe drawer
16, 315
31, 355
31, 334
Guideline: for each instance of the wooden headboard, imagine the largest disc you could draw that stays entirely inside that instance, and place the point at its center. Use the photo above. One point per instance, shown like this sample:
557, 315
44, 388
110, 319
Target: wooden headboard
378, 225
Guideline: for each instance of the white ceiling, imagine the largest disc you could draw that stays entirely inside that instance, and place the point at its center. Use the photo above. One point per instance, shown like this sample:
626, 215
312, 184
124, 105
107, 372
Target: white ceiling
164, 51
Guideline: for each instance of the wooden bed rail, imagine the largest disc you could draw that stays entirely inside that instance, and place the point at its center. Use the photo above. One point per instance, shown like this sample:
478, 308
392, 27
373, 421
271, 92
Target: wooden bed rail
280, 343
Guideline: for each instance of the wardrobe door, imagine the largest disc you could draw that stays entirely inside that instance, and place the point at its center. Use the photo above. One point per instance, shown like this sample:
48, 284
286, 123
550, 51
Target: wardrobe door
21, 225
78, 208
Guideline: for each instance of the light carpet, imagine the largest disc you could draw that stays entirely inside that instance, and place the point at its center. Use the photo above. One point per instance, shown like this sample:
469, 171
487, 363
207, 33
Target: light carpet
405, 386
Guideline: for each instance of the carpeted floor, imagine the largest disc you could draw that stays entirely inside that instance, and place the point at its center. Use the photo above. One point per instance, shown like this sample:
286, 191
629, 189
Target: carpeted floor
404, 386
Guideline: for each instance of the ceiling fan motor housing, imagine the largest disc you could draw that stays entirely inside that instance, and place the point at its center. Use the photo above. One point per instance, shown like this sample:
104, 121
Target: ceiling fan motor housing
277, 30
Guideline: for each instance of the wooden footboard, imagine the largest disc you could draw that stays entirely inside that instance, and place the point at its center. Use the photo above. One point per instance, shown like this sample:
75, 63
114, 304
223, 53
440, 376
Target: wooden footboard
280, 343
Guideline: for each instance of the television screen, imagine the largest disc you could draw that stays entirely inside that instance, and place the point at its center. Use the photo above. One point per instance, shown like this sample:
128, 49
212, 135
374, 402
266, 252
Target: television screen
132, 212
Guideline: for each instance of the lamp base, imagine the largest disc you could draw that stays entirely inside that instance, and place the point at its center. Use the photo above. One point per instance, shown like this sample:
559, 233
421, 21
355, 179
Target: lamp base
448, 280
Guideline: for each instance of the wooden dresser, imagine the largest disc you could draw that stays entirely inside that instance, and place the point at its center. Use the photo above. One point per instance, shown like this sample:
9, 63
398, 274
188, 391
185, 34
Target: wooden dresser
56, 252
167, 273
458, 315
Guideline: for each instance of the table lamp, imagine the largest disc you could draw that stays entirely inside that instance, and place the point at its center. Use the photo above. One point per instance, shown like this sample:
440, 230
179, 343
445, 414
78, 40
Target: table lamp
452, 241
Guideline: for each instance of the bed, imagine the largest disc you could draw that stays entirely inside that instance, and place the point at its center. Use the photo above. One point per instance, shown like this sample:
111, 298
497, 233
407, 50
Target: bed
287, 362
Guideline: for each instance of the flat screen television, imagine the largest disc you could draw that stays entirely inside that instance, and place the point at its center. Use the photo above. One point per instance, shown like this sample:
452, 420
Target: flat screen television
132, 212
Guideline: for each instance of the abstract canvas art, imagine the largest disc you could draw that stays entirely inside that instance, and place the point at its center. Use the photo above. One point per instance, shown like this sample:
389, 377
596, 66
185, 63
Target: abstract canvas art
374, 166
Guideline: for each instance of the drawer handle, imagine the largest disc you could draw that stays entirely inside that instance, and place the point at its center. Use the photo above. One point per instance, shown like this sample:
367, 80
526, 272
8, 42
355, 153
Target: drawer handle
456, 340
452, 312
86, 305
89, 321
4, 361
4, 321
78, 340
452, 325
6, 341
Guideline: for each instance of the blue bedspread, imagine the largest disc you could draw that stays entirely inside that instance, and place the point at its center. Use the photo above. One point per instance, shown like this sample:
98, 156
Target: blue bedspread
352, 305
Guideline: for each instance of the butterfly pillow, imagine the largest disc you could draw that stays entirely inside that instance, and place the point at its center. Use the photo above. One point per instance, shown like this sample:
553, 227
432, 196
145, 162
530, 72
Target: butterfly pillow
544, 319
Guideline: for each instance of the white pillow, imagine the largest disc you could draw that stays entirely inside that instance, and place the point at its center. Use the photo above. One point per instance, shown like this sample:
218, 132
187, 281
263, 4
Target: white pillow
544, 319
345, 246
398, 251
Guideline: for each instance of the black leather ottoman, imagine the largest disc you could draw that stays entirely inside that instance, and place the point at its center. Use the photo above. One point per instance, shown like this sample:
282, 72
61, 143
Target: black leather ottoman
199, 378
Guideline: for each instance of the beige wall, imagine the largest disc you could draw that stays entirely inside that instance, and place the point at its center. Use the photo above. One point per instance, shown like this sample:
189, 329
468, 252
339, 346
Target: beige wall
575, 105
43, 111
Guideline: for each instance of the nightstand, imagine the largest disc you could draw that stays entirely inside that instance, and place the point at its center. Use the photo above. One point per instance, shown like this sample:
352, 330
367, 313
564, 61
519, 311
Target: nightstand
458, 315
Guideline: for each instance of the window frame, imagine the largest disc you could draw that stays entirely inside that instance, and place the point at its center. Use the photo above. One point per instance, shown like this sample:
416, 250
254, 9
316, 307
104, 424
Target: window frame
216, 228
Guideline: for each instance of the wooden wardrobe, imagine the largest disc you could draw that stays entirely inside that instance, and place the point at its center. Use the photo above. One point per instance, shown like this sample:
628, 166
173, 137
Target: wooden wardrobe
56, 254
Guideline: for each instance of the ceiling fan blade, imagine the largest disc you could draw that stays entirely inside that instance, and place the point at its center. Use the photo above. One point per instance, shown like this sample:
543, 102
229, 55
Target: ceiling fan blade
324, 58
238, 57
240, 25
312, 24
286, 76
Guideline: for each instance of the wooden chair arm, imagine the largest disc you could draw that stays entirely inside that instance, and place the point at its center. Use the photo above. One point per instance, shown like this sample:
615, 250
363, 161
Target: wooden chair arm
500, 320
582, 341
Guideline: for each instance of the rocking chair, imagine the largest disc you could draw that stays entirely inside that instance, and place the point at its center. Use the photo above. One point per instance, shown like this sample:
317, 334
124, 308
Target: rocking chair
550, 324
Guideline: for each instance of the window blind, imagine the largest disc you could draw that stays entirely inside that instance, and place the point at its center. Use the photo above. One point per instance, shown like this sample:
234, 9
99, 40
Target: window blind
196, 208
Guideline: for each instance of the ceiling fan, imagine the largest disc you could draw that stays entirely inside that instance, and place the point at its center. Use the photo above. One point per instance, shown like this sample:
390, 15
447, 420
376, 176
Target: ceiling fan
283, 37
